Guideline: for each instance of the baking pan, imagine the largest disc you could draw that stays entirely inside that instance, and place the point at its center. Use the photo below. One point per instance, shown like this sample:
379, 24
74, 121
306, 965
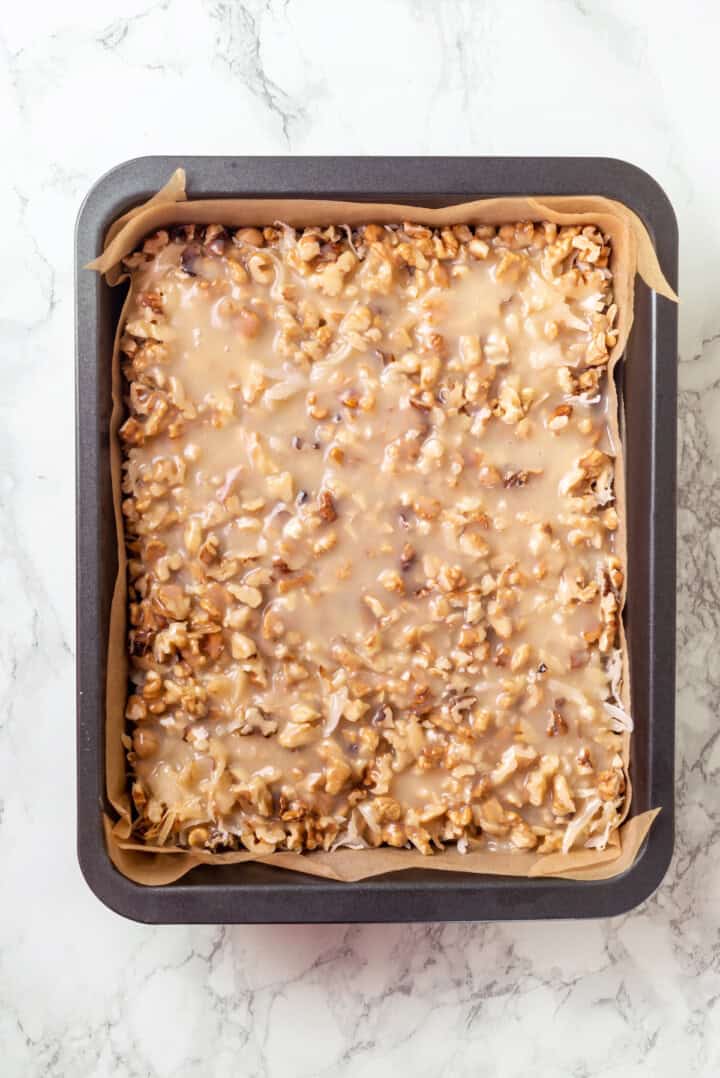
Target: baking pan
253, 893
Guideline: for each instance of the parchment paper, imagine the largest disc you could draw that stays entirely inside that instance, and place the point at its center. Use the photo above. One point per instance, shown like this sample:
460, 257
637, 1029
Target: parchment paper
632, 253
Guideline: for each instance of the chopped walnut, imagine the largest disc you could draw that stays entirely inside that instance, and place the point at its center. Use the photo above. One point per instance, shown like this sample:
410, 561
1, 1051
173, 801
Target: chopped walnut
370, 522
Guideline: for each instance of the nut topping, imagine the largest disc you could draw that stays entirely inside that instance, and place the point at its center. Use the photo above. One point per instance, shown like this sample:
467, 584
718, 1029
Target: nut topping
368, 498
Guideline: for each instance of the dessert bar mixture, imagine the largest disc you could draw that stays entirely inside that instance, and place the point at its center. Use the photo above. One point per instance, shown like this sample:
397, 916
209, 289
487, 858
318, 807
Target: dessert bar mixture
370, 522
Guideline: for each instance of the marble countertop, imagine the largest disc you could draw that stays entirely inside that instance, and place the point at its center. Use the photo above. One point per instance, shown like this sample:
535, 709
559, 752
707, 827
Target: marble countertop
85, 85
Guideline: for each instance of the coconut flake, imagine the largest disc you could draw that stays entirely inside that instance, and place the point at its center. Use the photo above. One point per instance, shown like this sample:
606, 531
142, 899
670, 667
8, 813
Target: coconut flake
346, 841
621, 720
289, 234
367, 812
337, 355
278, 373
579, 822
338, 700
231, 476
282, 391
280, 507
599, 842
350, 838
351, 245
614, 669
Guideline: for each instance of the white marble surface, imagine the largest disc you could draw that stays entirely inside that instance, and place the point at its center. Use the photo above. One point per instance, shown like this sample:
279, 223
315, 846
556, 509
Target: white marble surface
83, 992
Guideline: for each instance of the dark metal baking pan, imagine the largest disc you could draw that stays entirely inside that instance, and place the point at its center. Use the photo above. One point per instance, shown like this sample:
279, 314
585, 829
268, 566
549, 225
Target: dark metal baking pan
647, 382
